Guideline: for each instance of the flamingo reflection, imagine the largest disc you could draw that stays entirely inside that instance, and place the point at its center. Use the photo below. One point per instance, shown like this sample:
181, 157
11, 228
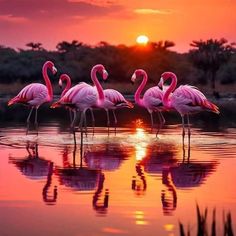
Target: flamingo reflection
79, 177
106, 157
158, 160
37, 168
139, 183
191, 174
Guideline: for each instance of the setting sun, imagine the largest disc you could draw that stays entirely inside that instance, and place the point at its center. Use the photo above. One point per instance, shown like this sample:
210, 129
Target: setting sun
142, 39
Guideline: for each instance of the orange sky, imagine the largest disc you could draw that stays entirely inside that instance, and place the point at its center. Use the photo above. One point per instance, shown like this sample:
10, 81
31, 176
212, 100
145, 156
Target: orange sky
115, 21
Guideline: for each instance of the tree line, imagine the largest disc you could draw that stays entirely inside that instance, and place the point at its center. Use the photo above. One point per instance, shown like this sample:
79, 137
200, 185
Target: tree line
206, 62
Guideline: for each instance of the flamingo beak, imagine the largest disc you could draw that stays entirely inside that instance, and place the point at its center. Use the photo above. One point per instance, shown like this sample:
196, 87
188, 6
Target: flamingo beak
104, 74
161, 83
133, 78
60, 83
54, 70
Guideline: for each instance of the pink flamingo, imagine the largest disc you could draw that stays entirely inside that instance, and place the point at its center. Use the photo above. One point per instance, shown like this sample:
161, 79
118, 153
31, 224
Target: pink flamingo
35, 94
114, 100
152, 98
185, 99
83, 96
73, 90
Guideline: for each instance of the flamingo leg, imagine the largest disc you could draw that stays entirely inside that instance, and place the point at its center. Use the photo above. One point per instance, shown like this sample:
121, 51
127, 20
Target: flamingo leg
85, 123
189, 131
152, 124
28, 119
183, 132
163, 119
161, 122
93, 119
82, 120
115, 119
36, 119
70, 114
189, 135
72, 125
108, 121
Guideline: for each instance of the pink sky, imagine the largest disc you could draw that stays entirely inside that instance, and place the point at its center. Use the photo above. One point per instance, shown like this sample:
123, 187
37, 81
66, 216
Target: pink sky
115, 21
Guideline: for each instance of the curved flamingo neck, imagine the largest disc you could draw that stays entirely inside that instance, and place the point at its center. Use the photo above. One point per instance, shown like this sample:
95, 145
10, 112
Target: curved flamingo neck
68, 84
170, 89
47, 80
139, 90
98, 86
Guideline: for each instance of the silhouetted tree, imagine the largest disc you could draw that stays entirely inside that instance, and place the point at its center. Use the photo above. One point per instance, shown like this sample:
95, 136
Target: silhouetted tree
35, 46
65, 47
162, 45
210, 55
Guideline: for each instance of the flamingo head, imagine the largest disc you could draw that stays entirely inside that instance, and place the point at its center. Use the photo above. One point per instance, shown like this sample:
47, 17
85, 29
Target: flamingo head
165, 76
54, 70
63, 77
51, 66
101, 69
136, 73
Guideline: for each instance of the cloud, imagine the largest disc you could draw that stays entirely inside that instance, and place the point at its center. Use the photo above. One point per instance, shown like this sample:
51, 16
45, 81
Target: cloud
12, 19
55, 9
149, 11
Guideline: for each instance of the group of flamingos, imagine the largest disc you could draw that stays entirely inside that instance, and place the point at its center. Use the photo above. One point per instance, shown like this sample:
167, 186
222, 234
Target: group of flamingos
185, 99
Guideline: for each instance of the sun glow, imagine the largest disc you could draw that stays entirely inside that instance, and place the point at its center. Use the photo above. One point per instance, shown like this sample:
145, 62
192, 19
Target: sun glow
142, 39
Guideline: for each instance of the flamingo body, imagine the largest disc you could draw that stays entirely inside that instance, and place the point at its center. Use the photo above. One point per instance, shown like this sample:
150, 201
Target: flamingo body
188, 99
70, 97
34, 94
114, 100
152, 99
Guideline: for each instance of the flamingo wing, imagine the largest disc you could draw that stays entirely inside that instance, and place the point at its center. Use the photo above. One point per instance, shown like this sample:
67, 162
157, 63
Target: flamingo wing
113, 98
192, 97
153, 98
67, 99
33, 94
85, 98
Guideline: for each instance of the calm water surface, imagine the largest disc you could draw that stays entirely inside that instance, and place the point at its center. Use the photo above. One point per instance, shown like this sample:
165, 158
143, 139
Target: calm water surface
129, 184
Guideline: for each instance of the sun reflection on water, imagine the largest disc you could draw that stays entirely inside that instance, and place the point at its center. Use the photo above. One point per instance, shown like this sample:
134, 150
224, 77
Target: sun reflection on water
141, 146
139, 218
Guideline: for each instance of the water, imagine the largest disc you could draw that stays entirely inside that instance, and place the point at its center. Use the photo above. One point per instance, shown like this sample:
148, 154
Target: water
131, 183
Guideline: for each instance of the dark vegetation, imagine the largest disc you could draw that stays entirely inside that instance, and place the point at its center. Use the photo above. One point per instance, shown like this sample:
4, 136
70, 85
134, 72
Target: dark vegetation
209, 61
203, 227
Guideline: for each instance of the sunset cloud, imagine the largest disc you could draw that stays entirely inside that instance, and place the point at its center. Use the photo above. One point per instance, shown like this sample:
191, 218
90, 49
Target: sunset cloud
147, 11
12, 19
49, 9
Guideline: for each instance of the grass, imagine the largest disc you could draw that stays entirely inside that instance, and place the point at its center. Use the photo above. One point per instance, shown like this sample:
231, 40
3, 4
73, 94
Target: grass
202, 227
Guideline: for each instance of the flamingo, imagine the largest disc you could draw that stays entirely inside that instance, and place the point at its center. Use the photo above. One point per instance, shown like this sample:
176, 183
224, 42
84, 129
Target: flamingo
114, 100
84, 96
152, 98
186, 100
35, 94
75, 89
